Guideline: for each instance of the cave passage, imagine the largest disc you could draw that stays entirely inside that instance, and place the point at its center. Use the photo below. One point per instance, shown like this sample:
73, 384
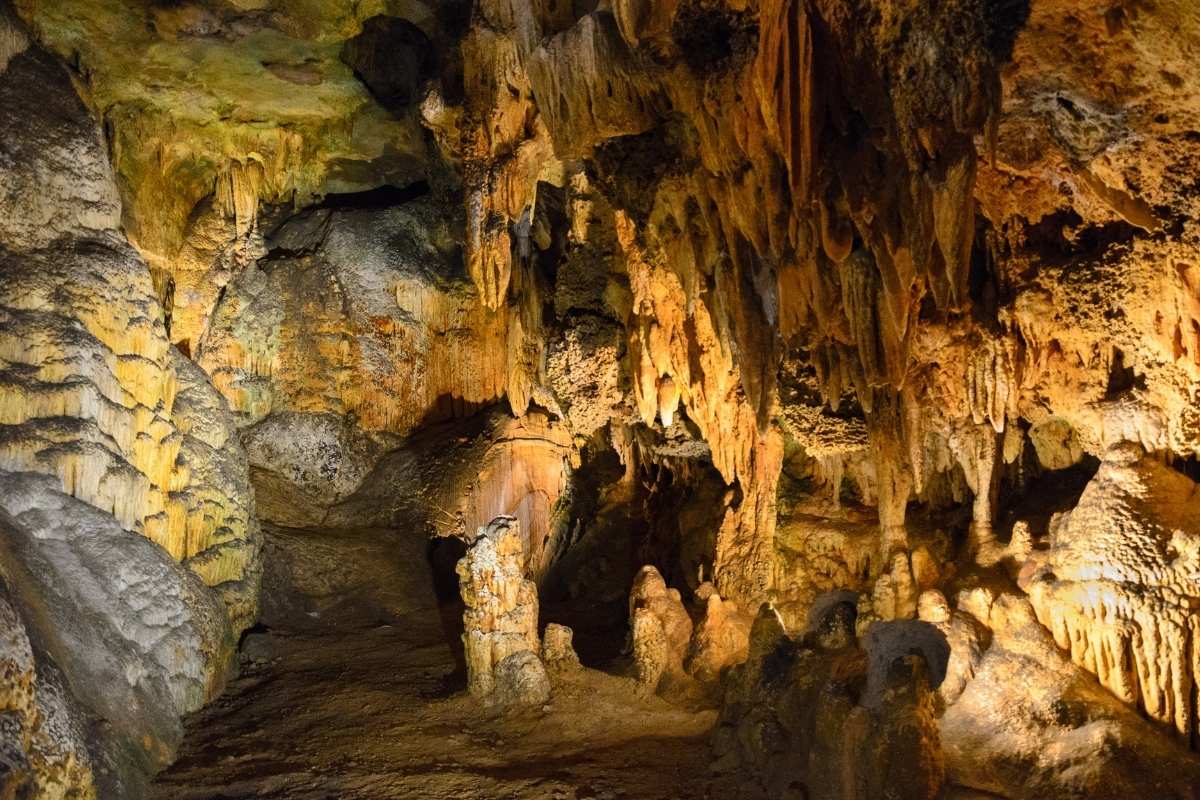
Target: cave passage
597, 399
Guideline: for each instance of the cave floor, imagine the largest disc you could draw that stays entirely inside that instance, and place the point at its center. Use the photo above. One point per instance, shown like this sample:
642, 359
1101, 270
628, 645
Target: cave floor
372, 714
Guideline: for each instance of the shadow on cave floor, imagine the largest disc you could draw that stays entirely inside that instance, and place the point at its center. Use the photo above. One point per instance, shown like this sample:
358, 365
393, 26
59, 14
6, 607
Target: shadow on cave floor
364, 714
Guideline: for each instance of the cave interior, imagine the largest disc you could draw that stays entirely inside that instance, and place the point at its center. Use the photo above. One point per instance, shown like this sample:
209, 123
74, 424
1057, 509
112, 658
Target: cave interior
597, 399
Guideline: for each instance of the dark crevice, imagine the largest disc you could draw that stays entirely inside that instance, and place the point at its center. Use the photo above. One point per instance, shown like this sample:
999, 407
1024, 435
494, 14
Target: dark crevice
713, 40
1188, 467
1121, 378
1003, 20
393, 59
379, 197
1061, 237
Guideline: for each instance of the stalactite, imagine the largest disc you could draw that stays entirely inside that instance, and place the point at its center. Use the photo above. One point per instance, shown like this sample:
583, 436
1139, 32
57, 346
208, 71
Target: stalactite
1117, 586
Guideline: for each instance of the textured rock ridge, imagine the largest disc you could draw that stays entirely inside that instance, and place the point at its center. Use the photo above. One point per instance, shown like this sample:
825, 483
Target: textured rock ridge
93, 393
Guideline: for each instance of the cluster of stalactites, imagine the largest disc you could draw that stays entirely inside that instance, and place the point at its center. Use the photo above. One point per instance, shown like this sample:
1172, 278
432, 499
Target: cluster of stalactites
769, 220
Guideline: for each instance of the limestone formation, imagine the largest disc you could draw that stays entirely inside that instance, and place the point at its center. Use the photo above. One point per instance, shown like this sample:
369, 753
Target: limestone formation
1118, 588
41, 749
1030, 723
885, 314
501, 618
360, 314
817, 716
94, 394
720, 639
304, 463
520, 680
457, 476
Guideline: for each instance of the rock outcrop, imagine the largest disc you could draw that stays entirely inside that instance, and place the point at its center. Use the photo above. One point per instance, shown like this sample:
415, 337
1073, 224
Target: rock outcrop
129, 542
817, 716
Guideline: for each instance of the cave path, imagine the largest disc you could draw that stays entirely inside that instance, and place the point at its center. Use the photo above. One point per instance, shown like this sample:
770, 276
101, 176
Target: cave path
367, 714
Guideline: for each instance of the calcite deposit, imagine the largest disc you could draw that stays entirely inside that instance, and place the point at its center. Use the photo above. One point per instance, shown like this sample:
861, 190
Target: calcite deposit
817, 716
500, 636
834, 364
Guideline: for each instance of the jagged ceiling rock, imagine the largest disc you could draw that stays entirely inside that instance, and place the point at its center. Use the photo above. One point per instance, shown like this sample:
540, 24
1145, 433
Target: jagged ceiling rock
237, 101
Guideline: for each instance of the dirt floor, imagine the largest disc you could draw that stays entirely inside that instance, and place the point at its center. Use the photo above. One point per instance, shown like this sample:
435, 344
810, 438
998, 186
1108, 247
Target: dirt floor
380, 713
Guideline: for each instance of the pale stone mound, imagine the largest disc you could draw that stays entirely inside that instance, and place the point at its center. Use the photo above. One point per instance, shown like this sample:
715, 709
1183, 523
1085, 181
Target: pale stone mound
140, 640
521, 680
501, 617
304, 463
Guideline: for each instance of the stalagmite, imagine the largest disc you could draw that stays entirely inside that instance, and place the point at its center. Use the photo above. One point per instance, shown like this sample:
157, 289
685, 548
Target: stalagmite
660, 629
500, 618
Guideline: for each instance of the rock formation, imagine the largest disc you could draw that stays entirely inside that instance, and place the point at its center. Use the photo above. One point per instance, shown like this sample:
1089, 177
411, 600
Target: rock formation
1118, 586
660, 629
500, 622
819, 717
732, 302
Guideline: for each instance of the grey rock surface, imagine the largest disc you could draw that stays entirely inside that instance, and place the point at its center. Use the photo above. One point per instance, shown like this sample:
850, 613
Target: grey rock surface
140, 640
55, 177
